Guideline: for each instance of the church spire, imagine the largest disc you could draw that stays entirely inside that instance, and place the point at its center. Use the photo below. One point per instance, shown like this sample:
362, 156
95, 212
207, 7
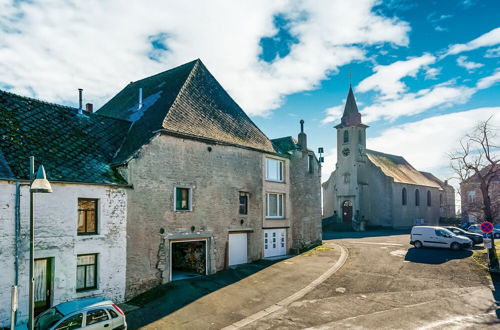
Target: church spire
351, 116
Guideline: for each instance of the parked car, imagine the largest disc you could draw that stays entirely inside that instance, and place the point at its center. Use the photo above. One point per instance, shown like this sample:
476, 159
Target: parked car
88, 313
474, 237
477, 229
434, 236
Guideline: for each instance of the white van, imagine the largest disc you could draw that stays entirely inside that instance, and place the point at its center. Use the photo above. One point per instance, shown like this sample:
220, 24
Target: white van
433, 236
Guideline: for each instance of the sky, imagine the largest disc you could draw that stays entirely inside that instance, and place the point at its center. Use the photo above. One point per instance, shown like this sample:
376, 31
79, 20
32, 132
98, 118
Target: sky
423, 72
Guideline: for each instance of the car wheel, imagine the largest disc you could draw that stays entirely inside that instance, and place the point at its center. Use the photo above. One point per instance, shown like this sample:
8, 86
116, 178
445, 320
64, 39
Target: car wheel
418, 244
455, 246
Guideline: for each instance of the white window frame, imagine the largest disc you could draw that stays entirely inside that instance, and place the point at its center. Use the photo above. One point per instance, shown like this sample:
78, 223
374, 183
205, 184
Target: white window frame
471, 196
279, 210
190, 202
281, 170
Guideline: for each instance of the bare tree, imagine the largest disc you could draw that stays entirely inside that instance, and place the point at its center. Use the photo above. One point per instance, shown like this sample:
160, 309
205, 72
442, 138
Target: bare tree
478, 158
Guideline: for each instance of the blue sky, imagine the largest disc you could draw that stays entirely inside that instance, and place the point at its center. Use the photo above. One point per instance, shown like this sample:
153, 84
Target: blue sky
423, 72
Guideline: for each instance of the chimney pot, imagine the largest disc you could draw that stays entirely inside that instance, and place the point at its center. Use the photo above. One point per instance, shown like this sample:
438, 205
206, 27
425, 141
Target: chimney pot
89, 107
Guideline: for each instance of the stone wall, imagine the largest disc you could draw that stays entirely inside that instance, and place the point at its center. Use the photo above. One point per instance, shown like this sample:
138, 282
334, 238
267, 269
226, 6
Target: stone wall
216, 174
55, 216
475, 206
306, 200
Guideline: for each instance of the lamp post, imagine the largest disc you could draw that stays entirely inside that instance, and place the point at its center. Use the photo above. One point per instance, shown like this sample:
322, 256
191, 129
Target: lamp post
39, 184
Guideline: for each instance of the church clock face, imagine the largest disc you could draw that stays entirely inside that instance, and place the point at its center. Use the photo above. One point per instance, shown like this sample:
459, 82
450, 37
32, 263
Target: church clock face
346, 152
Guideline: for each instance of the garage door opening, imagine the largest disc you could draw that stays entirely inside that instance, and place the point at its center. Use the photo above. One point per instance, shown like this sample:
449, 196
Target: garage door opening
189, 259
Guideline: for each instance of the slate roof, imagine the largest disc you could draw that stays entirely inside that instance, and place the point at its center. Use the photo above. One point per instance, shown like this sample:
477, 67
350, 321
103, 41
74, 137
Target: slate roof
434, 178
284, 145
186, 100
399, 169
72, 147
351, 115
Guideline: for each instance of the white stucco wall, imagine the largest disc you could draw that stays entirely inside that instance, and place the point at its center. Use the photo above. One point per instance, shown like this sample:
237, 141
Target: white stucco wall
56, 238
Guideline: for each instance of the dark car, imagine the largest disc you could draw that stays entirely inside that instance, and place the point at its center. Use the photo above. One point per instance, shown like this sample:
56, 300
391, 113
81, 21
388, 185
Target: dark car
475, 238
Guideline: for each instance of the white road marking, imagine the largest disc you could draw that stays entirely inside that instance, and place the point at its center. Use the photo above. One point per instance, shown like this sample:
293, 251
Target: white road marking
398, 253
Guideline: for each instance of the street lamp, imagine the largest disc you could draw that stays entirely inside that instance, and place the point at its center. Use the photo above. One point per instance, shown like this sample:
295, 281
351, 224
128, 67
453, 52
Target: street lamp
39, 184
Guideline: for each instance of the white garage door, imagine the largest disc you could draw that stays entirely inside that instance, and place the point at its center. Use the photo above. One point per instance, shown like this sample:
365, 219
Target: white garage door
274, 242
238, 249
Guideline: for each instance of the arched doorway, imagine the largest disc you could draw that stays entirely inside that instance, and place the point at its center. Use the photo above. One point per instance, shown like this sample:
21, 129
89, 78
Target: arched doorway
347, 211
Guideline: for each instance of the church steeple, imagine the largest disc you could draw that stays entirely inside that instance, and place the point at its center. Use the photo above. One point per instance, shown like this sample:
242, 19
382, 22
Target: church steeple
351, 116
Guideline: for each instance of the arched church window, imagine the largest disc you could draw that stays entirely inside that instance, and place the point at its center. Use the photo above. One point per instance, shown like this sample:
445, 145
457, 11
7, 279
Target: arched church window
428, 198
403, 196
346, 136
417, 197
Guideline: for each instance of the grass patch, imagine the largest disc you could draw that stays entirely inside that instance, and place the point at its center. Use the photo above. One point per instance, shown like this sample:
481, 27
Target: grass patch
481, 256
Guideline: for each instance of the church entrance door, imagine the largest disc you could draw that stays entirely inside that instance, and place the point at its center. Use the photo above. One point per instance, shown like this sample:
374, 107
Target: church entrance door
347, 211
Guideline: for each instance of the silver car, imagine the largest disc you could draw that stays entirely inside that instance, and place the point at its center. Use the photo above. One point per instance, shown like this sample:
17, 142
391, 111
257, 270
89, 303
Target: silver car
88, 313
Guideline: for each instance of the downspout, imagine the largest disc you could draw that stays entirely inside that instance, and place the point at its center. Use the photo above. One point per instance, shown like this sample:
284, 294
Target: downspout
17, 216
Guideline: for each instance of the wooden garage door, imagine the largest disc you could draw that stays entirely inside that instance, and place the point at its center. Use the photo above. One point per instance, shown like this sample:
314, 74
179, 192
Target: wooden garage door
238, 246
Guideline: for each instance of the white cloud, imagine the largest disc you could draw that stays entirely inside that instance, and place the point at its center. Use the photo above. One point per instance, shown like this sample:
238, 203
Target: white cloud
432, 73
469, 65
387, 78
493, 52
441, 95
102, 45
490, 38
416, 141
333, 114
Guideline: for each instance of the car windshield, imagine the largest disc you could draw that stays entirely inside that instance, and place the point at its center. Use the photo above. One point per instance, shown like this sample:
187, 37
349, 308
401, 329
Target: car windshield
48, 319
457, 230
445, 231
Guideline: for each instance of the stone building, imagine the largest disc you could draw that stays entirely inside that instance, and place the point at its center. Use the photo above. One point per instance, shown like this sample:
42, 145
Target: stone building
377, 188
210, 190
472, 198
79, 227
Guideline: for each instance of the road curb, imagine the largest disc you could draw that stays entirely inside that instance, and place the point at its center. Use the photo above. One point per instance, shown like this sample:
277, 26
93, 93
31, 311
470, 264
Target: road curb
344, 254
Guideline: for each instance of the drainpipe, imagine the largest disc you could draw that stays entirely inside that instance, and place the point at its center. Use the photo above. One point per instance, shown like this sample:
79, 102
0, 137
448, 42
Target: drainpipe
17, 217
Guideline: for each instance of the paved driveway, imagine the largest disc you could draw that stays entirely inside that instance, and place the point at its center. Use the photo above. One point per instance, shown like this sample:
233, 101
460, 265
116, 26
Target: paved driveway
387, 284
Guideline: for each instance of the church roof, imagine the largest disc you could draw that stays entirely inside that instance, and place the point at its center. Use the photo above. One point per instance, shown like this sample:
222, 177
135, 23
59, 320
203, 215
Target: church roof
399, 169
351, 116
185, 100
72, 147
434, 178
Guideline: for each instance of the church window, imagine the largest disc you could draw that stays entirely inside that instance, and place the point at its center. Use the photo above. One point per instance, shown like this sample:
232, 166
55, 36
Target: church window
403, 196
417, 197
428, 198
347, 178
346, 136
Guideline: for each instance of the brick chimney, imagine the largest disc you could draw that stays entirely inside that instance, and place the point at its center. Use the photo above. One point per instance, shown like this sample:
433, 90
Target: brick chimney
89, 107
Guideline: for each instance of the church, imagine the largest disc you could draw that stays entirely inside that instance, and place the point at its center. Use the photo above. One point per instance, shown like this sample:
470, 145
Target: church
378, 189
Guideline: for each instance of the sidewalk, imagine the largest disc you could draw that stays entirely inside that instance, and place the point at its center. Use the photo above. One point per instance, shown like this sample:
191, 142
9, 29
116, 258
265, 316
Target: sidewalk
239, 300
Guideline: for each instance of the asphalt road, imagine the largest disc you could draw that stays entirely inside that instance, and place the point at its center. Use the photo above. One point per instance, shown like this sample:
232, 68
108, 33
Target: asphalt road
387, 284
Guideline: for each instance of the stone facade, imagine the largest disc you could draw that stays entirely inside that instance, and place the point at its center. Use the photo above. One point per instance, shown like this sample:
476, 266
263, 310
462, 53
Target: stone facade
56, 238
472, 199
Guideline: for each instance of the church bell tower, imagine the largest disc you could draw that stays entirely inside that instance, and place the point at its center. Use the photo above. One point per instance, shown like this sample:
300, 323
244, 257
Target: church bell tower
351, 147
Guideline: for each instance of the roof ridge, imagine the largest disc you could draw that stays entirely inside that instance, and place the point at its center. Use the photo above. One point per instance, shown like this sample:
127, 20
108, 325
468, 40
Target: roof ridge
37, 100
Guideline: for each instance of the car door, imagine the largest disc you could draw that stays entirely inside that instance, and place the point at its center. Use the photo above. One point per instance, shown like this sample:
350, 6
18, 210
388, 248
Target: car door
70, 322
97, 319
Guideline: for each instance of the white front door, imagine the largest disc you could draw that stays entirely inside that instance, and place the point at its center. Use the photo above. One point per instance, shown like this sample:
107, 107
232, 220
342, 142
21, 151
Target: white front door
238, 246
274, 242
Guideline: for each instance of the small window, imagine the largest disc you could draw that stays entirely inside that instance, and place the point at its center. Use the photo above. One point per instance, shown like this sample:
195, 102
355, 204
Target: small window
74, 322
417, 198
346, 136
403, 196
274, 170
243, 203
96, 316
87, 216
471, 196
310, 163
429, 200
275, 206
183, 199
86, 272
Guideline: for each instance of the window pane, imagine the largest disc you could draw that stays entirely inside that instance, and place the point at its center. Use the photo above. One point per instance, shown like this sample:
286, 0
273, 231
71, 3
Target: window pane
272, 206
274, 170
243, 204
96, 316
90, 277
80, 277
86, 260
280, 168
280, 205
182, 198
74, 322
90, 222
81, 221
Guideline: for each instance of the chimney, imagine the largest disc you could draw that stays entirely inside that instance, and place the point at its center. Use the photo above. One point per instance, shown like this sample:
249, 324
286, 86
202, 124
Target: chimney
140, 100
80, 108
89, 107
302, 137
